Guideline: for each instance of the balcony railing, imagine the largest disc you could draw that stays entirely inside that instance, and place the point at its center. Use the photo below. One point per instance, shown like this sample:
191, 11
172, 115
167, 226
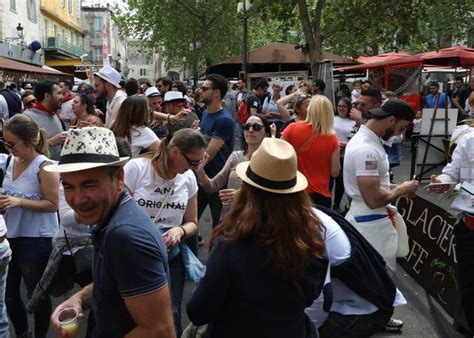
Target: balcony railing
63, 45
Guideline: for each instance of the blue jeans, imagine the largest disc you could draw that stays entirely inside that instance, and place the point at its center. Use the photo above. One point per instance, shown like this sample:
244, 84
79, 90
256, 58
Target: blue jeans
29, 259
177, 274
5, 257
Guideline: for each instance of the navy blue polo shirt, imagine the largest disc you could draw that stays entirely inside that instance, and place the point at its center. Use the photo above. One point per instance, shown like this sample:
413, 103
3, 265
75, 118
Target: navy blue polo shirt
130, 260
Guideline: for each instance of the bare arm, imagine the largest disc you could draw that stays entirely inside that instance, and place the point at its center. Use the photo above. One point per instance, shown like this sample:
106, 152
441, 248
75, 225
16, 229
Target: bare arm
175, 235
79, 301
374, 197
214, 146
49, 183
335, 163
286, 99
152, 314
154, 146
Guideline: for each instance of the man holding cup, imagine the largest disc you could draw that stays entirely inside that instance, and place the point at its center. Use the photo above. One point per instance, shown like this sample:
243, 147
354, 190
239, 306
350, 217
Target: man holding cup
130, 294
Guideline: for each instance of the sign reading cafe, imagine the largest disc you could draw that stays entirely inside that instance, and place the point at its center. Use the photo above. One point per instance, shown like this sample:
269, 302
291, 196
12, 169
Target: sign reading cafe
432, 258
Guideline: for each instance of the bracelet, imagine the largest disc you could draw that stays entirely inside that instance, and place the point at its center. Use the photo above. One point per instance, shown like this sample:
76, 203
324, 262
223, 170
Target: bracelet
184, 231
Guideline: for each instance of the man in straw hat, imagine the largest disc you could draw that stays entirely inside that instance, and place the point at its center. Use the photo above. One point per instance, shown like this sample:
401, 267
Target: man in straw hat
130, 293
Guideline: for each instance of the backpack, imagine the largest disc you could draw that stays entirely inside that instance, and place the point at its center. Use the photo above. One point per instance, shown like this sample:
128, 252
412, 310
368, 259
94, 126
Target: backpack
13, 102
243, 112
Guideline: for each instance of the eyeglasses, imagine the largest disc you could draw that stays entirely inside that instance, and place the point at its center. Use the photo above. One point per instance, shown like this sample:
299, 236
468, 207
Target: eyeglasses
254, 126
192, 163
6, 144
203, 88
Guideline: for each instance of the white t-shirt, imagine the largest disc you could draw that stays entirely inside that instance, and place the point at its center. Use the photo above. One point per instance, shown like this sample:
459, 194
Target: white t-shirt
142, 138
343, 128
150, 191
365, 156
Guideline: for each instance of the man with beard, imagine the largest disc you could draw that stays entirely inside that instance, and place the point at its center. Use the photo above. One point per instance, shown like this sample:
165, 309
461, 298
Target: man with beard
217, 126
368, 99
48, 99
107, 85
367, 182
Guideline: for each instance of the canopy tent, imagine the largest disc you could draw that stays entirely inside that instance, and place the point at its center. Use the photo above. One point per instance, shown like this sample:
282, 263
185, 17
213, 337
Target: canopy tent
381, 57
14, 71
274, 57
452, 56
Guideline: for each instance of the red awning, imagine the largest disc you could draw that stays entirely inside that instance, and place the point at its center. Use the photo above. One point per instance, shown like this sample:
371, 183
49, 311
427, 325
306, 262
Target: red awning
381, 57
452, 56
15, 71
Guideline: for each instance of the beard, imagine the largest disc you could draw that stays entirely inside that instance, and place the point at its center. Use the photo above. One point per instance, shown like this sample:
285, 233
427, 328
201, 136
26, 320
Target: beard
388, 133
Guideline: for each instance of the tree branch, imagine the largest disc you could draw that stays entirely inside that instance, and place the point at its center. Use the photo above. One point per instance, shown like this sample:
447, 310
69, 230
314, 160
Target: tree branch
189, 8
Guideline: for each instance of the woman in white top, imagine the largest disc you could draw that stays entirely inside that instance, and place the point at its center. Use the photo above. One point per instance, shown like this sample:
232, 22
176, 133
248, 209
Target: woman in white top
163, 184
343, 126
30, 202
132, 122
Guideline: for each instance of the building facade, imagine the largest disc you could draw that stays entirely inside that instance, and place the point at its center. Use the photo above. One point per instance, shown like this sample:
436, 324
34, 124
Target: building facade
62, 36
19, 28
142, 63
98, 27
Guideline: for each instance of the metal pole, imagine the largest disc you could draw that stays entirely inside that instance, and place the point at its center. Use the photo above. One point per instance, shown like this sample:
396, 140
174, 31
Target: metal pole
195, 70
245, 40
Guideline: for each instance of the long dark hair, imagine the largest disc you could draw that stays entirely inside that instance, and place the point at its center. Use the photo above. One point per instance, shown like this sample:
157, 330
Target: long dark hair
134, 112
88, 101
282, 223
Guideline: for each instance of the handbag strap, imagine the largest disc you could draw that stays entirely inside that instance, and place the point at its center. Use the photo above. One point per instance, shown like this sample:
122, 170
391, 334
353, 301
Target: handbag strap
308, 141
69, 244
165, 201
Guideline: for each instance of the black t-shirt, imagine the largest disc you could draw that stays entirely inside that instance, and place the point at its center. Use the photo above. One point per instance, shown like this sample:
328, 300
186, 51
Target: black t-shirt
254, 102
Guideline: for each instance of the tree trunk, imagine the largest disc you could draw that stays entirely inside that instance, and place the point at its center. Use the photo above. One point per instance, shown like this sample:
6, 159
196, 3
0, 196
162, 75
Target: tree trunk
312, 33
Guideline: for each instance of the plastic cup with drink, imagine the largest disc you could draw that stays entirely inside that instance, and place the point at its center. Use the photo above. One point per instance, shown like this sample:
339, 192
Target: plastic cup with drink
69, 321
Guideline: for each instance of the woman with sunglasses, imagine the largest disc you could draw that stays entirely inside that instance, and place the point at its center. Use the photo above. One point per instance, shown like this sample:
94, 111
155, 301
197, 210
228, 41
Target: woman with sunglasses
84, 112
317, 148
256, 128
132, 122
163, 184
30, 202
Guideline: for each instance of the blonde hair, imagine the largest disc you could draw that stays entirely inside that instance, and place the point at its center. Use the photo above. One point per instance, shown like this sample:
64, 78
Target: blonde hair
321, 115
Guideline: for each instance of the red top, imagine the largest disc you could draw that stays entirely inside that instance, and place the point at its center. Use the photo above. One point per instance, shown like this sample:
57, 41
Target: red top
314, 159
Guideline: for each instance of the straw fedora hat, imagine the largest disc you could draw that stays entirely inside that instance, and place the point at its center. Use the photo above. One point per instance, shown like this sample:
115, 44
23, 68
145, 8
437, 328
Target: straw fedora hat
273, 168
88, 148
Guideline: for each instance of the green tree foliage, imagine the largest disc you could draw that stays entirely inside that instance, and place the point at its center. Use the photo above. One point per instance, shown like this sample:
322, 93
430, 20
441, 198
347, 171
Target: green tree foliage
367, 26
174, 26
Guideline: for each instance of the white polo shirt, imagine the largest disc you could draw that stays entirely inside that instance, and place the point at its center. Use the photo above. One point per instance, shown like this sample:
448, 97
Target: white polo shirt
365, 156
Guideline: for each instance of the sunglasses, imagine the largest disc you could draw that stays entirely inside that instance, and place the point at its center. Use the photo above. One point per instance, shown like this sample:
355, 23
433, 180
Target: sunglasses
254, 126
192, 163
6, 144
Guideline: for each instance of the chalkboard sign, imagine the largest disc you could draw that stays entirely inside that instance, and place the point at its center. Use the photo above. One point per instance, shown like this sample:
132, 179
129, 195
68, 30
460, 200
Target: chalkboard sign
432, 258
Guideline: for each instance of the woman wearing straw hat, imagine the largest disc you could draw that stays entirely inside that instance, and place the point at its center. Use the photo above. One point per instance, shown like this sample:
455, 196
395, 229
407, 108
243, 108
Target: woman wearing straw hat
166, 189
317, 148
266, 263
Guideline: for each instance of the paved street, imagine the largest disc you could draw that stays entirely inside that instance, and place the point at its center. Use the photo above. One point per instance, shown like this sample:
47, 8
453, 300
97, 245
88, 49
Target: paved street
422, 316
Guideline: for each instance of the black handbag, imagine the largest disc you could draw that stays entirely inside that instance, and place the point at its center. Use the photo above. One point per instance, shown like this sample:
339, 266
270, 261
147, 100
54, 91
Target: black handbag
82, 261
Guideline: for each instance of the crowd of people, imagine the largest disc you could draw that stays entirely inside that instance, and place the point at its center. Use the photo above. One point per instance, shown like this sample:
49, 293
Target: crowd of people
119, 174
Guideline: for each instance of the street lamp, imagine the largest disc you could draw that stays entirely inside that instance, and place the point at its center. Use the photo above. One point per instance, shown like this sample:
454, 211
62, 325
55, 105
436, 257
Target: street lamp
19, 30
243, 8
